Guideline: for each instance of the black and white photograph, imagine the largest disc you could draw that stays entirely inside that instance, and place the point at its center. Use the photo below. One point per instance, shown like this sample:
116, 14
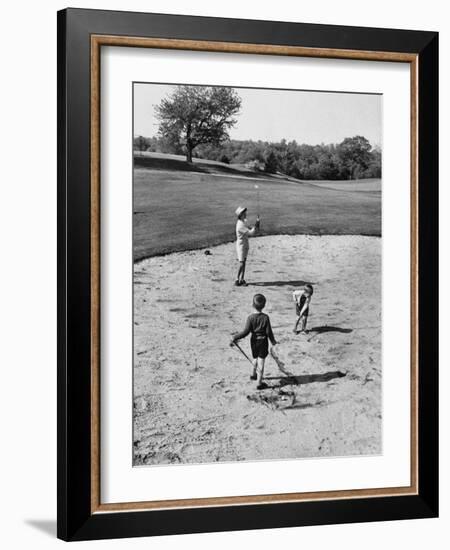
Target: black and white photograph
223, 251
257, 274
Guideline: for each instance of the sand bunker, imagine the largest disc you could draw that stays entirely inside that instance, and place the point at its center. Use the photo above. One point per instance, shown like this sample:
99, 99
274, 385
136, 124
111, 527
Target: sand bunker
193, 399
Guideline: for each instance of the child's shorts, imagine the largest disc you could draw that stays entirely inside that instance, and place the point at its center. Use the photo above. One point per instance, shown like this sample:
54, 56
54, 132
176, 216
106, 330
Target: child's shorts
260, 347
242, 251
298, 310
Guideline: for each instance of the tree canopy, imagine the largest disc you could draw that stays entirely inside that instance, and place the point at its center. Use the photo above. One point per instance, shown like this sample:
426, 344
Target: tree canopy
353, 158
196, 115
355, 155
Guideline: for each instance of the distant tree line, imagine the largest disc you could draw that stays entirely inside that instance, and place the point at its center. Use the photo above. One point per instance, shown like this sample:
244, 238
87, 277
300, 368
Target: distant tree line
353, 158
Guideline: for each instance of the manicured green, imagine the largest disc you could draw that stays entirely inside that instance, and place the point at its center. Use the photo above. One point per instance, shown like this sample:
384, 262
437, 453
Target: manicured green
180, 207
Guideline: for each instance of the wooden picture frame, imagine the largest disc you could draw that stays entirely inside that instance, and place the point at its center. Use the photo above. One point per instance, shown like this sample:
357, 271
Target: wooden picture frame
81, 35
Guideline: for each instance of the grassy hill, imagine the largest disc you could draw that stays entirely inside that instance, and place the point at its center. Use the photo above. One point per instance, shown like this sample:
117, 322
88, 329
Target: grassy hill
178, 206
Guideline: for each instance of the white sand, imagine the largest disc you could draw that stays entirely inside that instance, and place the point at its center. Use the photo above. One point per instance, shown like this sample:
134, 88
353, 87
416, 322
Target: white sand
193, 399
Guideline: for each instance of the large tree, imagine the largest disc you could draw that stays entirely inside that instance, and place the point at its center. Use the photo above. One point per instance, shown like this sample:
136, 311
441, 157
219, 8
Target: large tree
354, 153
194, 115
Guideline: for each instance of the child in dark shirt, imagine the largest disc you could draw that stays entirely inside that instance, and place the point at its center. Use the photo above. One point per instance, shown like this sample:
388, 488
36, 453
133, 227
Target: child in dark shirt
258, 325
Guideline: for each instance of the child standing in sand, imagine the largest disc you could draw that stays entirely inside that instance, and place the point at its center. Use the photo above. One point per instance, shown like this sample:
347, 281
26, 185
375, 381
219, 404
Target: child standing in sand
243, 232
302, 299
258, 325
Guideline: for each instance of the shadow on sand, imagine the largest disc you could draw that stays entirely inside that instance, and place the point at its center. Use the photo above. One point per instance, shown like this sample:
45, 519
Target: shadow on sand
326, 328
292, 380
281, 283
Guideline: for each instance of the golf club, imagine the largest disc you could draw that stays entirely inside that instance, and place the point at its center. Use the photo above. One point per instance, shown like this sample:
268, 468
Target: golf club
243, 352
257, 199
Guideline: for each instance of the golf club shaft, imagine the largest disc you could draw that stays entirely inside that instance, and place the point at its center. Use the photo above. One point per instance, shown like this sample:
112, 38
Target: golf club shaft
243, 352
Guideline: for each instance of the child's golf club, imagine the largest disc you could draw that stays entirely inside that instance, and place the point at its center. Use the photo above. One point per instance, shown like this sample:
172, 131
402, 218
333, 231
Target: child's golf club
280, 364
257, 199
243, 352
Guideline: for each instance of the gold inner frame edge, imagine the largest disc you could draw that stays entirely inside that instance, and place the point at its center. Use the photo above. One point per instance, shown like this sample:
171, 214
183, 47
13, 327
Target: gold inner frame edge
97, 41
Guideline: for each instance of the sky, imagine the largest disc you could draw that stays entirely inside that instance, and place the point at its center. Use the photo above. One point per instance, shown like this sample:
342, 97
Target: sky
272, 115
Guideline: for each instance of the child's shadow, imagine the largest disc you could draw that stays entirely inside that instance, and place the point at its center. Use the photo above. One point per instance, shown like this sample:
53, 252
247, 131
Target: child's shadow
325, 328
292, 380
315, 331
281, 283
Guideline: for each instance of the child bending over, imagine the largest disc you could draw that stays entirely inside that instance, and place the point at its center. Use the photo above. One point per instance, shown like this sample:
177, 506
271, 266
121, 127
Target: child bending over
302, 299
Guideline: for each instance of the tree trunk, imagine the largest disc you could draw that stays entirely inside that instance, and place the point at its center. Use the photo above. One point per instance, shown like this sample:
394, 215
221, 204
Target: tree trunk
189, 154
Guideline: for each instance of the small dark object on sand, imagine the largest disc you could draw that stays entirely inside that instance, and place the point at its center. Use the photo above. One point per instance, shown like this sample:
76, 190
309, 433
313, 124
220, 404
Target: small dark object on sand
208, 253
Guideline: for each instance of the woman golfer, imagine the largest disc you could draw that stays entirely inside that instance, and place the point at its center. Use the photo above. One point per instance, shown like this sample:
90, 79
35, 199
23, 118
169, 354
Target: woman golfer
243, 232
